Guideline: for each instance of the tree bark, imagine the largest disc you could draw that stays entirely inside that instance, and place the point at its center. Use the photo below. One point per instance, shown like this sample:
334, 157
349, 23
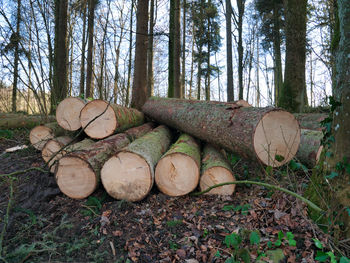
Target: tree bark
139, 90
150, 81
240, 50
89, 69
230, 92
15, 121
177, 51
183, 65
82, 60
277, 52
267, 134
177, 172
115, 118
60, 79
78, 173
311, 121
68, 112
216, 169
16, 58
39, 135
310, 147
129, 175
130, 55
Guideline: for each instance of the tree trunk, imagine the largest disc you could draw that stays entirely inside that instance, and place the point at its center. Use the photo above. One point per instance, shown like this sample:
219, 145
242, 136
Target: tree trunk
311, 121
310, 147
267, 134
215, 170
129, 175
82, 60
177, 172
139, 90
277, 52
60, 79
177, 51
89, 69
241, 7
293, 96
183, 65
230, 92
171, 73
53, 146
16, 58
150, 80
39, 135
78, 173
68, 112
115, 118
130, 55
15, 121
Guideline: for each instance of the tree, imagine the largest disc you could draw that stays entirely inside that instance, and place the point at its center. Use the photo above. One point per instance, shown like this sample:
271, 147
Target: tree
15, 71
293, 95
150, 81
89, 69
130, 54
240, 50
83, 45
139, 89
60, 80
228, 17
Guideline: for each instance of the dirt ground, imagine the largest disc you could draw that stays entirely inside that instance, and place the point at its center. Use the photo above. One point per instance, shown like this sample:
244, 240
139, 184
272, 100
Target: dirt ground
45, 226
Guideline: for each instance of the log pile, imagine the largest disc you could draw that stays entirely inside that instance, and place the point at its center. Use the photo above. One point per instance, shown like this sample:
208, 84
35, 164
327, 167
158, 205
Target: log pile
129, 156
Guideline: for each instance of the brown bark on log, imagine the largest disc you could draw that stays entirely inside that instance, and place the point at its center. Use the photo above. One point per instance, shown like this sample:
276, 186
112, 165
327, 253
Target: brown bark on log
310, 120
42, 133
114, 119
68, 112
215, 170
129, 174
78, 173
310, 147
269, 135
178, 171
51, 147
15, 120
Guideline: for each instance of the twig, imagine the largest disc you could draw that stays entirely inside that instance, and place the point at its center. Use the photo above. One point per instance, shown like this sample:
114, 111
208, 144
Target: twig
311, 204
24, 171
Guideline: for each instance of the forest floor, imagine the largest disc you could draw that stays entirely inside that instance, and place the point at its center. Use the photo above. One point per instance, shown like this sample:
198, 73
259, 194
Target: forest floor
46, 226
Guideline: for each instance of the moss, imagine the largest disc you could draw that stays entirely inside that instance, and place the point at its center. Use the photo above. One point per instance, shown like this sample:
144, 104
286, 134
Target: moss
213, 158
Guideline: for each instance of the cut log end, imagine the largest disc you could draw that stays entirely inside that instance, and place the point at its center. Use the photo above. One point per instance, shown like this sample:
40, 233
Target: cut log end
104, 125
276, 138
177, 174
217, 175
127, 176
75, 177
52, 147
68, 112
39, 136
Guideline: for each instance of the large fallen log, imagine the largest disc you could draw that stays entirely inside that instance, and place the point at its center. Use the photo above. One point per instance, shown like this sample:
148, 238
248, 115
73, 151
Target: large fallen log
310, 147
78, 173
53, 146
216, 169
68, 112
39, 135
269, 135
310, 121
114, 118
177, 172
129, 175
17, 120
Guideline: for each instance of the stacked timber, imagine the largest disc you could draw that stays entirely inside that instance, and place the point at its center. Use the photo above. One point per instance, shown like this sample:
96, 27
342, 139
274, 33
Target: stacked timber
269, 135
68, 113
177, 172
101, 119
216, 170
311, 121
310, 147
39, 135
129, 175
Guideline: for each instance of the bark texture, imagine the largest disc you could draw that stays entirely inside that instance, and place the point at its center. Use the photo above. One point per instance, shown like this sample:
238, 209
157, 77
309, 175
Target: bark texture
177, 173
232, 127
14, 121
310, 121
115, 118
139, 131
215, 169
122, 179
310, 147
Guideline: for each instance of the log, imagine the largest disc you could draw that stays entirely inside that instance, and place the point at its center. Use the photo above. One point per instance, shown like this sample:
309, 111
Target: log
39, 135
129, 174
216, 169
17, 120
139, 131
269, 135
114, 119
311, 121
51, 147
310, 147
68, 112
178, 171
78, 172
